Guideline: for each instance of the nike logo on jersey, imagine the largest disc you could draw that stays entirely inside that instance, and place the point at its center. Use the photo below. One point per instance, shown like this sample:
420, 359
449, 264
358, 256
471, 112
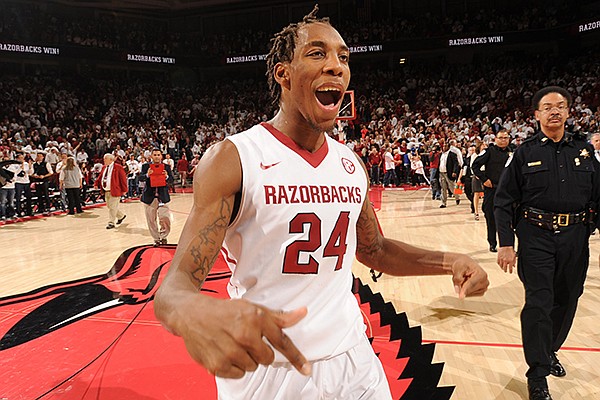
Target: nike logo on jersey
263, 166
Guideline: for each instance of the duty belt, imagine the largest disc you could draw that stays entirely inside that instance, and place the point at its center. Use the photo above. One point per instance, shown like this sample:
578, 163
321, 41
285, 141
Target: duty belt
553, 221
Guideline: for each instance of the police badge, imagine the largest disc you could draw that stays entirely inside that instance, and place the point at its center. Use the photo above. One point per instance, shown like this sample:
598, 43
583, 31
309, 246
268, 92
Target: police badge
584, 153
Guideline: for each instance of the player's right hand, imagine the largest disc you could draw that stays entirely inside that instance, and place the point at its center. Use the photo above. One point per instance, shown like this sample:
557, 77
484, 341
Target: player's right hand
226, 337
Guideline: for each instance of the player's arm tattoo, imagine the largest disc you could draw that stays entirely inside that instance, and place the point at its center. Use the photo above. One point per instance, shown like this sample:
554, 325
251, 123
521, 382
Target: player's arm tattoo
207, 243
369, 239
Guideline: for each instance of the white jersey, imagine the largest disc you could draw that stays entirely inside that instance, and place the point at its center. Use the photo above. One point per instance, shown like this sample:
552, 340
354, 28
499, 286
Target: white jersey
293, 241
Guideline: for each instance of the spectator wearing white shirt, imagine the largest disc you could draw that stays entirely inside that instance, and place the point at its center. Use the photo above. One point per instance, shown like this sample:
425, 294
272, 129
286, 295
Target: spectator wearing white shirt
172, 145
82, 156
133, 171
7, 193
52, 156
22, 185
456, 150
120, 152
390, 167
59, 167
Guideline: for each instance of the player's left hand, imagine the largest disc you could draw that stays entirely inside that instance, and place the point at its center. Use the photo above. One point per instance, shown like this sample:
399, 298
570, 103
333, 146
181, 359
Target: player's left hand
468, 277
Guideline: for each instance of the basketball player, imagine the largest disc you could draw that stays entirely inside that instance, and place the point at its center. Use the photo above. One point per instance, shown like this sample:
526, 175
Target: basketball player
290, 211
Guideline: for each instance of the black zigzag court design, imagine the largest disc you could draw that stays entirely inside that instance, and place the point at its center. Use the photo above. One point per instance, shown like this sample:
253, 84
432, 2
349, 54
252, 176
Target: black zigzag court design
419, 377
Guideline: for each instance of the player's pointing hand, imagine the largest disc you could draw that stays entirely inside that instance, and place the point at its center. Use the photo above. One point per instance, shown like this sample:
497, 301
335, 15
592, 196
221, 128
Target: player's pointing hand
227, 339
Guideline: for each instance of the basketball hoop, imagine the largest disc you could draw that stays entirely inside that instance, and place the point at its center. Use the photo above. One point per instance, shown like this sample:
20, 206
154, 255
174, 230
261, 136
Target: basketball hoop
347, 109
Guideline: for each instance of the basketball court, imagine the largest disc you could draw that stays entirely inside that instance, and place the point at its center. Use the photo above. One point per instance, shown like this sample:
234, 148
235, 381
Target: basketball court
76, 318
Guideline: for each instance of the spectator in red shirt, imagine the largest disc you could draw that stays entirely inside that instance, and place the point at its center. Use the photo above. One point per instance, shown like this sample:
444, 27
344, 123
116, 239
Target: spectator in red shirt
434, 165
182, 168
375, 165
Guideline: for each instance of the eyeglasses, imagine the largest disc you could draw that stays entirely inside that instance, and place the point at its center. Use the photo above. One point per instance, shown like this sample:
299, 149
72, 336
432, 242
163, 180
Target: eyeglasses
548, 107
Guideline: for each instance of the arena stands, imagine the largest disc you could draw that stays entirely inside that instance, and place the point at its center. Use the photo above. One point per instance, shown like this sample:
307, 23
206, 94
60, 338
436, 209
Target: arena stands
412, 107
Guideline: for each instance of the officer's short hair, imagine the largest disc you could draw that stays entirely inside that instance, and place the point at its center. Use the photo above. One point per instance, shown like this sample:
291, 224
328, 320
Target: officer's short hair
550, 89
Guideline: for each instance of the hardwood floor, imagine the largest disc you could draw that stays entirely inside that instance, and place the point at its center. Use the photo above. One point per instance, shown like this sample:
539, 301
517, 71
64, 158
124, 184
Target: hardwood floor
478, 339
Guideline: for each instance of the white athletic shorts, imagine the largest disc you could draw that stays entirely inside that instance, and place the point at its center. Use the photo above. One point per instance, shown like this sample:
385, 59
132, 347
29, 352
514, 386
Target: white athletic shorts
353, 375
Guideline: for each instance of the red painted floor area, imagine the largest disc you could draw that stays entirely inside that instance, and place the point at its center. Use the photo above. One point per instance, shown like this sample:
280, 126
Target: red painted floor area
97, 338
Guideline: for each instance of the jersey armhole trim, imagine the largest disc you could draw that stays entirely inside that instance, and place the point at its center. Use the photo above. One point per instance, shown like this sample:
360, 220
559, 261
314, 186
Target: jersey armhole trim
238, 201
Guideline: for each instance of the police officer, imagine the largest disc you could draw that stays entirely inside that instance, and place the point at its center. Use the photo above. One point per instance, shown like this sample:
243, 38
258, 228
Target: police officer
488, 167
547, 193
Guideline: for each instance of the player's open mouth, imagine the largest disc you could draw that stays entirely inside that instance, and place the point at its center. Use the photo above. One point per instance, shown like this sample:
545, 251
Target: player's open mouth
328, 96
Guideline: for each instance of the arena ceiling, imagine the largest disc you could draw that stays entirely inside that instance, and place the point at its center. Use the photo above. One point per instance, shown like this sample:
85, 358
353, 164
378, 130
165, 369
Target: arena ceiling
173, 6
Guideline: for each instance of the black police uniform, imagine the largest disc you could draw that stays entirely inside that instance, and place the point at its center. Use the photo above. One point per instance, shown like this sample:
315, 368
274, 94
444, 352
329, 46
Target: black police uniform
494, 159
546, 193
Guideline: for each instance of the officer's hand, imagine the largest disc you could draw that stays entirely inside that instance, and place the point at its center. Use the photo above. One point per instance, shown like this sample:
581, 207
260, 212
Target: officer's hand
468, 277
488, 184
507, 258
226, 336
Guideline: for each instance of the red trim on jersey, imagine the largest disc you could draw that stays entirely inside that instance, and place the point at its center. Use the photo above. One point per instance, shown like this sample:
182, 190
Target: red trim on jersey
314, 159
227, 257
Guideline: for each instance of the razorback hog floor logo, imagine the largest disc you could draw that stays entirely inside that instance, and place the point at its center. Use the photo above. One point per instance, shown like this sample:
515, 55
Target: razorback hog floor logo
97, 338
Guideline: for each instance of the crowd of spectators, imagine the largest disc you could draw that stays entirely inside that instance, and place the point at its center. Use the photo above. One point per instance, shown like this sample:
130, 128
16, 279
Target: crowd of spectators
435, 25
30, 22
404, 111
440, 100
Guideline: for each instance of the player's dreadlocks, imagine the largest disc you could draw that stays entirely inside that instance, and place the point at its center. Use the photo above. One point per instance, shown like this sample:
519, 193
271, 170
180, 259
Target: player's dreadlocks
282, 49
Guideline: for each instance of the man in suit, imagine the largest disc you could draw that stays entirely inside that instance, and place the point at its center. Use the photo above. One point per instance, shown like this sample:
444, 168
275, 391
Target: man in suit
595, 141
449, 168
466, 174
155, 196
113, 181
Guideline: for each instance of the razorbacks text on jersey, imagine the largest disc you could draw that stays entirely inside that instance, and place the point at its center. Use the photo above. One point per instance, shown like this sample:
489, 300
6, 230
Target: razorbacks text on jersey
293, 240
